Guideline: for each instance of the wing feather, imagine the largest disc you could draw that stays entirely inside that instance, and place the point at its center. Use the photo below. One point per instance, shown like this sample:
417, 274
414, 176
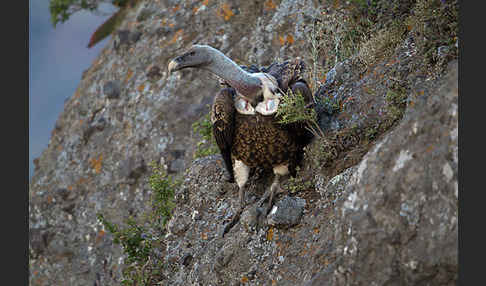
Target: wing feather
222, 118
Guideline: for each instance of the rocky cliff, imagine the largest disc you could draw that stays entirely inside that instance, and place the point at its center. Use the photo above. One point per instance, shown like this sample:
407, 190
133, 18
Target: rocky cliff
374, 203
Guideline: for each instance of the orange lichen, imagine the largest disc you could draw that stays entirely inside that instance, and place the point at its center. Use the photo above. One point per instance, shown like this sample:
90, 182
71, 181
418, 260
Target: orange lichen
176, 37
176, 8
96, 164
286, 39
269, 5
81, 181
141, 87
99, 236
204, 236
225, 11
244, 279
129, 75
270, 234
316, 230
290, 39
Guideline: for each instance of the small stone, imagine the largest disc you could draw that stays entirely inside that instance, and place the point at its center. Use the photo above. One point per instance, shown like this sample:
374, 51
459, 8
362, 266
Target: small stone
186, 259
223, 257
134, 36
112, 89
249, 218
287, 212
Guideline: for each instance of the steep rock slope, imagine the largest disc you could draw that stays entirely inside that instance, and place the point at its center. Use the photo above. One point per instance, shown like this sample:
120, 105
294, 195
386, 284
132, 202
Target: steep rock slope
374, 203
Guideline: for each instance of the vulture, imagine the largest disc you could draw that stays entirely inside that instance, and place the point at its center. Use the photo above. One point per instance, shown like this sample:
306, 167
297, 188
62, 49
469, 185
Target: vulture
243, 116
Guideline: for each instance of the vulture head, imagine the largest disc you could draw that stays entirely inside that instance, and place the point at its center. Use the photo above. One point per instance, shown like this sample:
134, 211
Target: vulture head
254, 88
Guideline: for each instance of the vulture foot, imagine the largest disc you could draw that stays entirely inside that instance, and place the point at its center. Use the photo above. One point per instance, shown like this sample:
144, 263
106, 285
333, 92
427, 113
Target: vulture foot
236, 217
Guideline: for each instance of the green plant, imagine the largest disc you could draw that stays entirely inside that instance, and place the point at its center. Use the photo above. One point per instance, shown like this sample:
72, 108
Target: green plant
396, 103
298, 184
61, 10
134, 239
207, 145
163, 188
294, 109
140, 238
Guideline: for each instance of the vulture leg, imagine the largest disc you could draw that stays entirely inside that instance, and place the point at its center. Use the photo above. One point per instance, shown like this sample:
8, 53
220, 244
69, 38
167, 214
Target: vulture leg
241, 172
280, 170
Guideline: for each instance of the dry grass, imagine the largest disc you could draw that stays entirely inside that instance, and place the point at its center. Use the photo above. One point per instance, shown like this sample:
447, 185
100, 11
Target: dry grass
381, 44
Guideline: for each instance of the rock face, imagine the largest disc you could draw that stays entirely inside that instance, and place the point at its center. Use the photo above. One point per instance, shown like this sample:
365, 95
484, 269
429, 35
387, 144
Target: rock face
392, 219
386, 214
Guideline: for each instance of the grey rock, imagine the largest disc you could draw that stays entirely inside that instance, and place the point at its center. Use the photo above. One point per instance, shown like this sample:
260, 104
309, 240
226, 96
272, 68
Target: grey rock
179, 224
186, 259
286, 212
126, 38
112, 89
370, 225
223, 257
134, 36
90, 128
38, 240
132, 168
251, 219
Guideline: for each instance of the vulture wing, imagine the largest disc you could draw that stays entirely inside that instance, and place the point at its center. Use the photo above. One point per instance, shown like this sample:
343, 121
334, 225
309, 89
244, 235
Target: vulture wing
222, 118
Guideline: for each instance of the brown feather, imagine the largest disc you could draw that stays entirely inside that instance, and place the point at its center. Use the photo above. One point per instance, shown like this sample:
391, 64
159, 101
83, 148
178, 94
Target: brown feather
222, 118
258, 140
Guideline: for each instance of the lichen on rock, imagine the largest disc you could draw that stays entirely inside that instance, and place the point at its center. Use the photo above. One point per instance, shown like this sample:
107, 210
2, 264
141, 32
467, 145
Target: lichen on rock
375, 200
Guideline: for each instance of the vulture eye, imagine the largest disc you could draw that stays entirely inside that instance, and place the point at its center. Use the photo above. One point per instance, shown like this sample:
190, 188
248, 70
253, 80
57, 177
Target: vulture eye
192, 53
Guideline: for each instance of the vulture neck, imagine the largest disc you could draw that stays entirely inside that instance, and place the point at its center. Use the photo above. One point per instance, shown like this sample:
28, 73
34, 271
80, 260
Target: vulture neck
244, 83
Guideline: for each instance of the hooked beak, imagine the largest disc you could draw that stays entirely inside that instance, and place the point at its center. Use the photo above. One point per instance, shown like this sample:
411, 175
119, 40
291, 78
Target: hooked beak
173, 65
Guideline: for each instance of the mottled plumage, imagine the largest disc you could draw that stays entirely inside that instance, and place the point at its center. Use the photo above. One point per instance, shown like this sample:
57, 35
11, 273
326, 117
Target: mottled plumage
244, 120
258, 140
